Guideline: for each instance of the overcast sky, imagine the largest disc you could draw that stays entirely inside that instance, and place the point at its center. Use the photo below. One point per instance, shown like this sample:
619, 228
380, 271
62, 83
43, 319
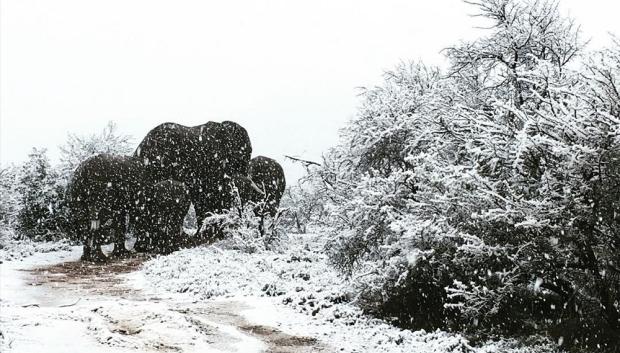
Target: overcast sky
286, 70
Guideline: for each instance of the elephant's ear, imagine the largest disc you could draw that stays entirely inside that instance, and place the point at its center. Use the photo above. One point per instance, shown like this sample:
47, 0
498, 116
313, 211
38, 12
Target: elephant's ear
238, 138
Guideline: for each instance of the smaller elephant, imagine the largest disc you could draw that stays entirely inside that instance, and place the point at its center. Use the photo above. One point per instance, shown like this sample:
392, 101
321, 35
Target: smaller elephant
106, 191
162, 229
265, 187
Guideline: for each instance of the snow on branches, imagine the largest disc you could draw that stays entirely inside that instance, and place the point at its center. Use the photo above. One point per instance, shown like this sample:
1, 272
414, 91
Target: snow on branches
499, 179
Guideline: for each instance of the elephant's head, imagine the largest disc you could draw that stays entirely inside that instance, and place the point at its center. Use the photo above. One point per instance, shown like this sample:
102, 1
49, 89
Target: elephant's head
238, 147
229, 147
248, 190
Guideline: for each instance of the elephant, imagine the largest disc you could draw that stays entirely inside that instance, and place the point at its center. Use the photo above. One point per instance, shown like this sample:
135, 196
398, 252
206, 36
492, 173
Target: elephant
203, 157
104, 193
266, 174
162, 227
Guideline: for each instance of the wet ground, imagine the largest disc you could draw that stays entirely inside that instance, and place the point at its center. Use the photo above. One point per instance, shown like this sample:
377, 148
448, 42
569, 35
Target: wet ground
119, 316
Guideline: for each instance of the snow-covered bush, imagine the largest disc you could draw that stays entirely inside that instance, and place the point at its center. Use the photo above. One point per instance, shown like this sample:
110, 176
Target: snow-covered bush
40, 198
487, 198
9, 202
241, 228
302, 207
14, 246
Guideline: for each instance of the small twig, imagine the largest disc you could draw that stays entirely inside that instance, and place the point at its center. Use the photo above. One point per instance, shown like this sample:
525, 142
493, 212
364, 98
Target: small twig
68, 305
29, 305
303, 161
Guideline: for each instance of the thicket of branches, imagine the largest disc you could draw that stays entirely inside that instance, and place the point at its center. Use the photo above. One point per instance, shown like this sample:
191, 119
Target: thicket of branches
487, 198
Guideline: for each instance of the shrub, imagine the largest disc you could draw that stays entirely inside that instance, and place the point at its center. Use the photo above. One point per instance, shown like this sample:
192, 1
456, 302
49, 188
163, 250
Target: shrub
486, 199
40, 198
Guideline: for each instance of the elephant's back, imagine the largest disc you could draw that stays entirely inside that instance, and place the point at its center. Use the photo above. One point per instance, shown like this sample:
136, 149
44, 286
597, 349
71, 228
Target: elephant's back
105, 177
239, 139
226, 147
168, 149
166, 136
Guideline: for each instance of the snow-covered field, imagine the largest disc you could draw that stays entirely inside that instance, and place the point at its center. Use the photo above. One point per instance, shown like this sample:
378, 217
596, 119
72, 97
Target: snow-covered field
206, 299
54, 302
298, 292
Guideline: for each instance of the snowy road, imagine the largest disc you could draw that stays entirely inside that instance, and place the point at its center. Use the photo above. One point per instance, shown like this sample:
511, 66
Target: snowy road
54, 302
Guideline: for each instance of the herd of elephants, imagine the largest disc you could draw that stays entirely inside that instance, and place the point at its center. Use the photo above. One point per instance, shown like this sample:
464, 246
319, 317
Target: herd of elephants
149, 193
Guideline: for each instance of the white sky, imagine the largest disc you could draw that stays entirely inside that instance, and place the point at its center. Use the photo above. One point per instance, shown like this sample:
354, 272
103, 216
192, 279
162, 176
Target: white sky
286, 70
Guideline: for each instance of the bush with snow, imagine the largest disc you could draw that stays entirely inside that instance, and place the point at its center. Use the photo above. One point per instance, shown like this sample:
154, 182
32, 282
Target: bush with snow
311, 297
486, 198
10, 201
16, 247
41, 198
302, 207
241, 227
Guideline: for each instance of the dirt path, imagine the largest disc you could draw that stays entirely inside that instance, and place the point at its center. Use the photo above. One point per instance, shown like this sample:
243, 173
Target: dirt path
108, 313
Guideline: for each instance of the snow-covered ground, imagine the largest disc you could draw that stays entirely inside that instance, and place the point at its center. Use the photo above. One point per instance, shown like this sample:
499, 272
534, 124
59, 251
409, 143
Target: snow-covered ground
54, 302
207, 299
296, 291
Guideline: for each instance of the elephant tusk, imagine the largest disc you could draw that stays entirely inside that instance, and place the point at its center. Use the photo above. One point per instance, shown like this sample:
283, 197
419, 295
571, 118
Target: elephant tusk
256, 188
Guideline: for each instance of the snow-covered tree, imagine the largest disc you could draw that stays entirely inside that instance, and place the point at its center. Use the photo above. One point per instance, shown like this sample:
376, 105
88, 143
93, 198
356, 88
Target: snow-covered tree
488, 196
9, 203
301, 207
40, 197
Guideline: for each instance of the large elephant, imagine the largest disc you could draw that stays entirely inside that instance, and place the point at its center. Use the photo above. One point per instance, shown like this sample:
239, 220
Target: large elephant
104, 193
162, 228
266, 174
204, 157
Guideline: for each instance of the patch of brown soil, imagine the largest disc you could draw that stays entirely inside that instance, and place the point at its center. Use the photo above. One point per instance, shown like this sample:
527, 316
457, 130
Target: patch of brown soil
227, 312
280, 342
97, 278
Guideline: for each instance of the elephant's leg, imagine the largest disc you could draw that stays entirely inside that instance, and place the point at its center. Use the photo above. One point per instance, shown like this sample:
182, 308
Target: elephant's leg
201, 214
165, 238
142, 236
162, 240
156, 239
87, 252
179, 236
173, 238
184, 240
119, 245
142, 231
92, 243
97, 254
86, 235
274, 214
142, 241
118, 227
168, 241
152, 239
